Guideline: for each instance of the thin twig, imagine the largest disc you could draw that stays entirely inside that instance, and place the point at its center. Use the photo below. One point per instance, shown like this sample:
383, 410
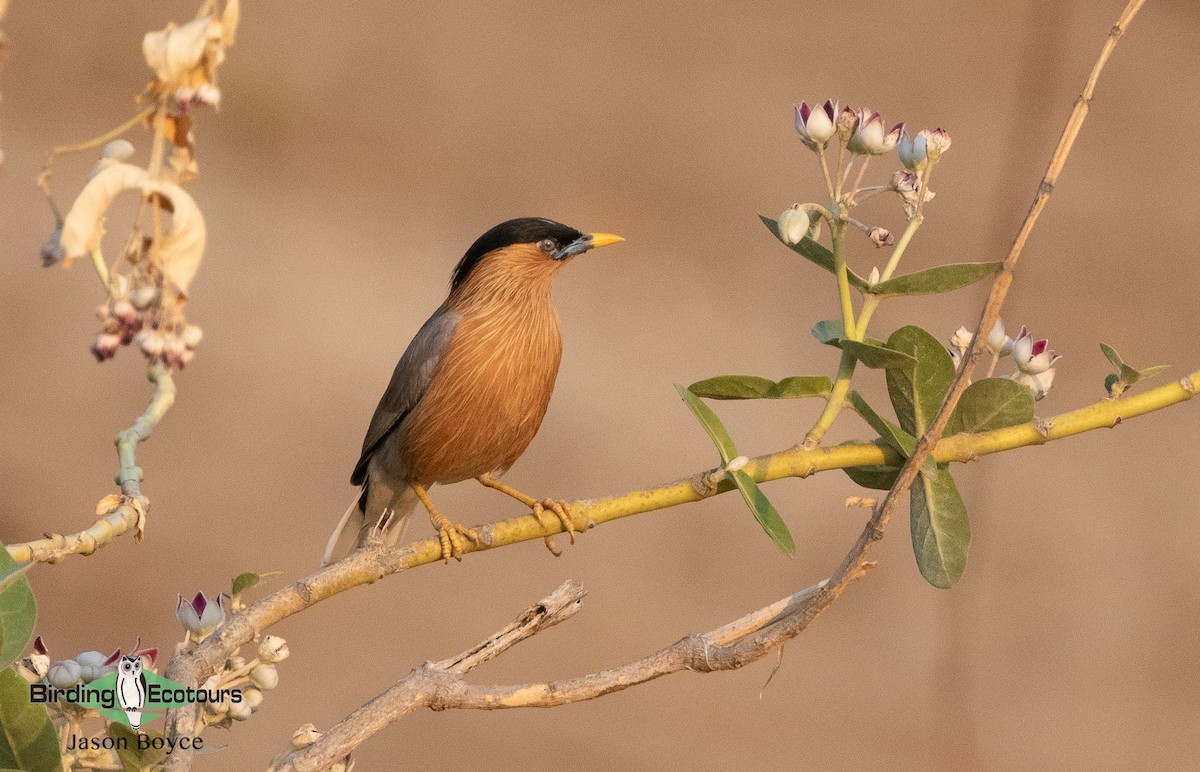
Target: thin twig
439, 685
130, 515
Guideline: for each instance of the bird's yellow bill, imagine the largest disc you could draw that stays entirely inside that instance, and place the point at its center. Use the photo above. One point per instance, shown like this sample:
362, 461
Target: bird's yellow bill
604, 239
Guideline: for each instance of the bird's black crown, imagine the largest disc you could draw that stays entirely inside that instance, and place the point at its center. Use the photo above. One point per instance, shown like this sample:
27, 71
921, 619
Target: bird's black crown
523, 230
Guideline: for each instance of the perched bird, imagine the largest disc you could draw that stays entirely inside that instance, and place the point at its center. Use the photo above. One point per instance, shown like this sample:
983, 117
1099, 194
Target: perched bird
470, 392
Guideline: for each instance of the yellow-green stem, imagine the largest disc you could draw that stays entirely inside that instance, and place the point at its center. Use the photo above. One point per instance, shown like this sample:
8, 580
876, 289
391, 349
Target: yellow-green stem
101, 269
835, 402
872, 301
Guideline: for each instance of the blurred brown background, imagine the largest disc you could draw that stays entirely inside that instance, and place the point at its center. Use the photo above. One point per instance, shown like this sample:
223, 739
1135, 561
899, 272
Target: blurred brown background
358, 152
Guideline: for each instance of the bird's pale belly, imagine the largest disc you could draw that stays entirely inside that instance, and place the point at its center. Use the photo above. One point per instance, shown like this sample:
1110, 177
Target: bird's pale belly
483, 410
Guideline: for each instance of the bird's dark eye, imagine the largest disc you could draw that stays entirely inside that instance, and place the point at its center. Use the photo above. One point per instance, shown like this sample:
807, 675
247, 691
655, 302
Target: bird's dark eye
549, 246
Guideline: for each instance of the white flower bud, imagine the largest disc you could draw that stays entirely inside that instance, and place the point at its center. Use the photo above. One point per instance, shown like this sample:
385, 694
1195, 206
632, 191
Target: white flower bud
143, 297
252, 697
118, 150
273, 649
191, 336
240, 711
873, 279
961, 339
92, 666
305, 736
65, 674
997, 342
794, 224
265, 677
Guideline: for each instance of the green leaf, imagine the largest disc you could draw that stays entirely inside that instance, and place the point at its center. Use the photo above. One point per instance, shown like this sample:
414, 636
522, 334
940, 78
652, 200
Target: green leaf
943, 278
829, 331
18, 612
814, 253
10, 576
754, 387
878, 357
1126, 376
896, 438
27, 737
993, 403
708, 419
798, 386
873, 476
764, 512
132, 757
1113, 356
917, 392
247, 580
941, 531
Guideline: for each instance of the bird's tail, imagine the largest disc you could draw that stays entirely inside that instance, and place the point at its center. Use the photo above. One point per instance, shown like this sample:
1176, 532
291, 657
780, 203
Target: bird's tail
355, 527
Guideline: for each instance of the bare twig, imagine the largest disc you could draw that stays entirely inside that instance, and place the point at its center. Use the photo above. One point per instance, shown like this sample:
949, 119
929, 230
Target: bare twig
439, 685
130, 512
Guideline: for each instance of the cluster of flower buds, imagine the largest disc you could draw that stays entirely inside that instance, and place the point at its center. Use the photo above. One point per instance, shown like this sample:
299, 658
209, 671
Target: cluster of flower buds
1034, 359
200, 616
250, 679
862, 132
134, 315
83, 668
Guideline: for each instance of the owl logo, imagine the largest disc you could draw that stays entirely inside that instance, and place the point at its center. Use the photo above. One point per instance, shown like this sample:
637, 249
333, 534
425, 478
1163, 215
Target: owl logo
131, 689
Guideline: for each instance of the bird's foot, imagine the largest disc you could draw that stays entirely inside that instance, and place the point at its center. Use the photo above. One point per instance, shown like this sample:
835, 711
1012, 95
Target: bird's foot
561, 511
452, 536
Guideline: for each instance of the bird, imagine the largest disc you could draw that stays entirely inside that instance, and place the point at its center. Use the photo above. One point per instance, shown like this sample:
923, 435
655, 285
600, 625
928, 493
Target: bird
469, 393
131, 689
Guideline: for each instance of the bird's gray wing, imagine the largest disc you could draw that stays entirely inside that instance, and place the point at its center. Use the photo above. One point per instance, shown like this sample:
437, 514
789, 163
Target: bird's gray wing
410, 381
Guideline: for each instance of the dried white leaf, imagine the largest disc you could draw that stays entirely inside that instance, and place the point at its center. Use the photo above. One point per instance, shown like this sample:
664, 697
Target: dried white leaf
179, 251
174, 51
82, 227
182, 248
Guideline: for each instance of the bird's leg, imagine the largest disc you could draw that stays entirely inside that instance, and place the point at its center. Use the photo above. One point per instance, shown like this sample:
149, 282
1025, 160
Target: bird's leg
559, 508
450, 534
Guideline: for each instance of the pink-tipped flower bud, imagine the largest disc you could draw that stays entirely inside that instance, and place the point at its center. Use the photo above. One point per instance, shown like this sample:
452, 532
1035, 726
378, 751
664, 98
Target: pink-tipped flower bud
997, 342
1033, 356
816, 125
870, 138
173, 351
881, 237
200, 616
125, 313
105, 346
937, 142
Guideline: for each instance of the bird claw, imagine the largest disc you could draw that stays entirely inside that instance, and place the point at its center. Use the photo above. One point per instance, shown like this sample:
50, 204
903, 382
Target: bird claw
561, 511
453, 538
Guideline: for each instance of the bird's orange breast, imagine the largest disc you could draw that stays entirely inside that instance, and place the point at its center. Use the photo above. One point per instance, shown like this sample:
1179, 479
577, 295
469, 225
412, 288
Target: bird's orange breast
488, 395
